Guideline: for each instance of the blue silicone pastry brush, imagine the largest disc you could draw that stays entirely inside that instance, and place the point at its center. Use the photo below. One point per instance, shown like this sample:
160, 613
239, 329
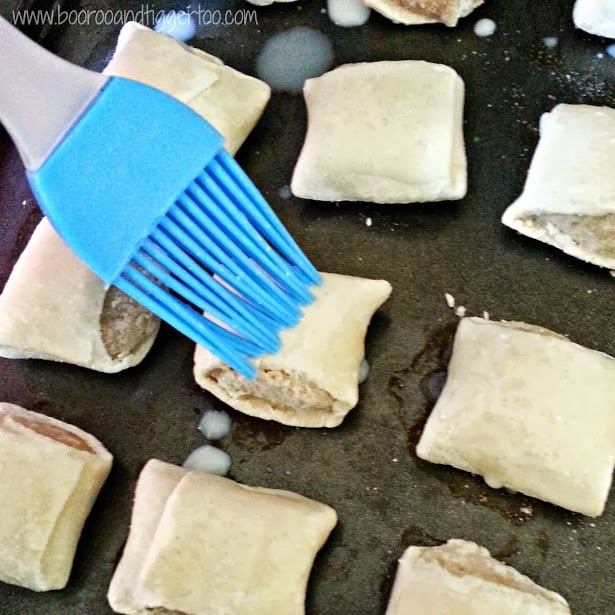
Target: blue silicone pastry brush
141, 189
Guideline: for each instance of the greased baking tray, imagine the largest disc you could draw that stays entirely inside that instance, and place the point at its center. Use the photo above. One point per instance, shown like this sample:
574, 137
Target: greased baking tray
385, 497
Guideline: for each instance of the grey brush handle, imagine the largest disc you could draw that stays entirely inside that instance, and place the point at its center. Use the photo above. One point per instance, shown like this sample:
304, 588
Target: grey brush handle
42, 96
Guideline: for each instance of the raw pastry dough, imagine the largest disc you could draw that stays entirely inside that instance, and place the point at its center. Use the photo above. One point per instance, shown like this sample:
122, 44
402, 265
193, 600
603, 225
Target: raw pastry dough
313, 380
411, 12
461, 578
229, 100
53, 307
387, 132
529, 410
569, 197
202, 544
51, 475
595, 16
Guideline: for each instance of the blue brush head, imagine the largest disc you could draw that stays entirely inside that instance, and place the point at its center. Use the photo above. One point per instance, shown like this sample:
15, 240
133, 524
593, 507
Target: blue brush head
143, 192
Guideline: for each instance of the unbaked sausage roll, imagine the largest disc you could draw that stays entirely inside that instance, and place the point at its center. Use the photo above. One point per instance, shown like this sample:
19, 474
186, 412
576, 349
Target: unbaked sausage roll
529, 410
313, 380
413, 12
51, 475
386, 132
569, 196
53, 307
461, 578
229, 100
202, 544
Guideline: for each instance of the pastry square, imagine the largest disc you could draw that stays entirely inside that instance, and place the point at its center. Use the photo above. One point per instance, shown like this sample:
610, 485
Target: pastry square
51, 475
385, 132
460, 577
53, 307
568, 200
202, 544
413, 12
529, 410
313, 380
229, 100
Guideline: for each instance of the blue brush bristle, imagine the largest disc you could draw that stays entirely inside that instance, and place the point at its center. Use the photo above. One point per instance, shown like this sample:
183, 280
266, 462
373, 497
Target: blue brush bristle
252, 287
250, 281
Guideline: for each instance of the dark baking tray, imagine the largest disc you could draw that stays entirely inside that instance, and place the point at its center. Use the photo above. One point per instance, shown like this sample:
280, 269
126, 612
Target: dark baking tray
385, 497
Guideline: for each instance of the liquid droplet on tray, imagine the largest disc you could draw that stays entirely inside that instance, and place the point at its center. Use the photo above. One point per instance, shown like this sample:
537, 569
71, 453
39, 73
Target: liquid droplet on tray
348, 13
290, 57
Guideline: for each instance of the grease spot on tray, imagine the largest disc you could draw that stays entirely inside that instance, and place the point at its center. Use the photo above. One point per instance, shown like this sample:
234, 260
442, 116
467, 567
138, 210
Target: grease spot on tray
542, 542
43, 406
414, 432
427, 375
250, 433
437, 349
507, 550
433, 383
386, 585
258, 435
415, 535
514, 507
